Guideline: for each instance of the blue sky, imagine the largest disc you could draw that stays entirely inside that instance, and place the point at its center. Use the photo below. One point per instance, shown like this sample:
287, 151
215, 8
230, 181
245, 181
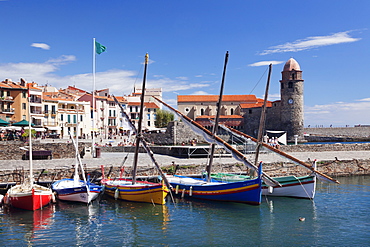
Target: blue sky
50, 42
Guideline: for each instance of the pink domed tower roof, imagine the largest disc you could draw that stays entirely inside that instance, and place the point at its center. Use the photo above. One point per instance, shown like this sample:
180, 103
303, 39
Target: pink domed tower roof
291, 64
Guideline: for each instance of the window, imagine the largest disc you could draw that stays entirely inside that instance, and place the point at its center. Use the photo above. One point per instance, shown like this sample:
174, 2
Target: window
53, 109
24, 95
187, 109
231, 111
290, 84
69, 118
148, 109
61, 117
46, 108
130, 108
81, 118
8, 93
148, 123
74, 119
250, 111
24, 106
24, 117
148, 116
201, 112
282, 85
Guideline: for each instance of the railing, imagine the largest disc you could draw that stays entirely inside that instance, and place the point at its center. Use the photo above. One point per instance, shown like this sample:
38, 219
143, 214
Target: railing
37, 100
8, 110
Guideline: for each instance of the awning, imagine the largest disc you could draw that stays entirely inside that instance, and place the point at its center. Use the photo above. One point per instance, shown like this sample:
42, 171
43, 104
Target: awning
52, 128
39, 129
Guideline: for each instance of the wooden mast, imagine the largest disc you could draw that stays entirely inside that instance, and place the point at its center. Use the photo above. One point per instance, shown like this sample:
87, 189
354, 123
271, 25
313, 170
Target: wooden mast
139, 129
262, 119
145, 145
215, 126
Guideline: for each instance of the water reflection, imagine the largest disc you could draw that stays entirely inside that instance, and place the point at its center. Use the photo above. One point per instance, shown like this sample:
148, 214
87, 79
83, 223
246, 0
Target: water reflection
83, 219
28, 226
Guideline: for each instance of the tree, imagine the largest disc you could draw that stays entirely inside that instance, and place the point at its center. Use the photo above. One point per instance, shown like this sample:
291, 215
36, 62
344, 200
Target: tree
163, 117
27, 131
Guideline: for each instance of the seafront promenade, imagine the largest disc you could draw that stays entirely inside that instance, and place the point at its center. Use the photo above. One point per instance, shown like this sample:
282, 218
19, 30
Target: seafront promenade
332, 159
116, 159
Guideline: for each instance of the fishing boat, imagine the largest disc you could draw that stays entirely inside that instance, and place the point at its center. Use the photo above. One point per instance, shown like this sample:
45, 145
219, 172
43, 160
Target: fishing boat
74, 189
246, 191
131, 189
291, 186
28, 195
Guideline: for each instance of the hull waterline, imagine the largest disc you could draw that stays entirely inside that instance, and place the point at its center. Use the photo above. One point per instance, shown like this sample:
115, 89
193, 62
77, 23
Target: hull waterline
123, 189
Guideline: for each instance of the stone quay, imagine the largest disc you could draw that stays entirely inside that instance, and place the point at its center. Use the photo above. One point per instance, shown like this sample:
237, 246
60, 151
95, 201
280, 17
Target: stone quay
334, 160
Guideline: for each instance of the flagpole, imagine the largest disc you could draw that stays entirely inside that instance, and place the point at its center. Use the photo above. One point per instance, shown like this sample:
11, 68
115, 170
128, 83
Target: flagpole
93, 104
30, 135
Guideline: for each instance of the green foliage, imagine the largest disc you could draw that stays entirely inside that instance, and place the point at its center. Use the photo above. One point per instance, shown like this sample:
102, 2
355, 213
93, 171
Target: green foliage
163, 117
27, 131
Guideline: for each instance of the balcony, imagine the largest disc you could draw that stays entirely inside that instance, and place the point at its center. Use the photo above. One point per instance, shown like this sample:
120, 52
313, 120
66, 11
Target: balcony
7, 99
7, 110
36, 100
36, 112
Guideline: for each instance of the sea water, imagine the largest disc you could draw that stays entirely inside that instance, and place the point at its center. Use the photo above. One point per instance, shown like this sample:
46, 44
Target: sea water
338, 216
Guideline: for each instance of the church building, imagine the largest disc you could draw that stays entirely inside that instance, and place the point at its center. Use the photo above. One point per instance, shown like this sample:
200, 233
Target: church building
243, 112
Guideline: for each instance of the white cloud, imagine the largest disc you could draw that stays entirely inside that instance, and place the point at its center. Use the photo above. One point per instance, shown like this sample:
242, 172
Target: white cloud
265, 63
62, 59
311, 42
339, 113
120, 82
200, 93
41, 45
183, 78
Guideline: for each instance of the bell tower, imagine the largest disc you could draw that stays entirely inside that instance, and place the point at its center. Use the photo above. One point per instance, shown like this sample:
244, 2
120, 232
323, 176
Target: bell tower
291, 93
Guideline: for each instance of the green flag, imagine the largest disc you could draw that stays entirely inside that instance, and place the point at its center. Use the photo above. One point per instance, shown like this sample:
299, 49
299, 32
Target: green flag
99, 48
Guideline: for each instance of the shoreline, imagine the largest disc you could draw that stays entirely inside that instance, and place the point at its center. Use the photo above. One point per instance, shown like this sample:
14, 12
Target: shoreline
331, 163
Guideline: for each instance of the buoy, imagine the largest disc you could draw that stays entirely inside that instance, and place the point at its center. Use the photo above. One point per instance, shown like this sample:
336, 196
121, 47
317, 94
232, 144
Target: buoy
53, 200
177, 189
183, 193
302, 219
191, 191
271, 189
116, 194
6, 199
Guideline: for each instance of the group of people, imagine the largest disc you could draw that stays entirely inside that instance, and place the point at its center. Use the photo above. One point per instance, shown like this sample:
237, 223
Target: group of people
272, 141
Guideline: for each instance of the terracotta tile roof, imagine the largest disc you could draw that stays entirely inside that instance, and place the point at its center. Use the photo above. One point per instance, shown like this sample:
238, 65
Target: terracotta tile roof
146, 104
33, 86
76, 89
12, 85
255, 105
214, 98
121, 99
221, 116
151, 105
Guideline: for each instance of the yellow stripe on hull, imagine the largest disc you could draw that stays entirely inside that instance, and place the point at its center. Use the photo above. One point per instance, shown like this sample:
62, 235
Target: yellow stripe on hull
155, 195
